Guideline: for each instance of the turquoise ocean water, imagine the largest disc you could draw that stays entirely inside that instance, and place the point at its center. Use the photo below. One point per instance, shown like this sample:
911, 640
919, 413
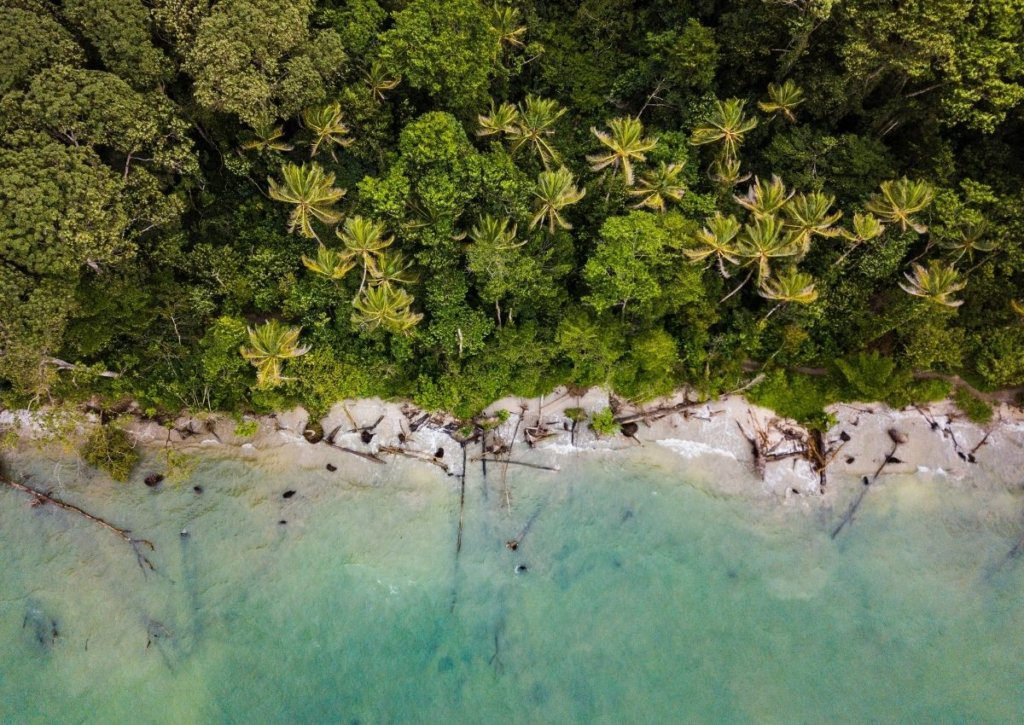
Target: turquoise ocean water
645, 598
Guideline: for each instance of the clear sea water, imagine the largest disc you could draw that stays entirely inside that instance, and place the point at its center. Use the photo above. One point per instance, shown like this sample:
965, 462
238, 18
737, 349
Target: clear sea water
646, 597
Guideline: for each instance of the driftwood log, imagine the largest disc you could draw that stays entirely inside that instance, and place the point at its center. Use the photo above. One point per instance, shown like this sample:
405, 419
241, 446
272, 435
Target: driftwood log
42, 498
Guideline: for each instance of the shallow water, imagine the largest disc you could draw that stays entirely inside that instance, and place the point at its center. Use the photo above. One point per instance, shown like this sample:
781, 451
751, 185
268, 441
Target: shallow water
646, 598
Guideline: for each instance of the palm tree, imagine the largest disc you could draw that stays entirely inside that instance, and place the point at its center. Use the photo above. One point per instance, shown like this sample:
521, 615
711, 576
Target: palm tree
763, 241
865, 228
726, 125
1017, 307
266, 136
900, 200
385, 306
364, 240
329, 263
326, 125
658, 186
505, 25
789, 286
392, 268
763, 199
555, 191
625, 144
270, 345
783, 99
937, 283
537, 116
967, 238
717, 239
810, 215
726, 172
379, 80
313, 193
494, 233
502, 119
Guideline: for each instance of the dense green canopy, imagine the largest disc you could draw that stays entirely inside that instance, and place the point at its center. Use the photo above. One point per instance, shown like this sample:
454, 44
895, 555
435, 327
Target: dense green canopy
457, 200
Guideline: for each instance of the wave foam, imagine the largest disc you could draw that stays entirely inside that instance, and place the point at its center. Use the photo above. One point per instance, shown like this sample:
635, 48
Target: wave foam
693, 449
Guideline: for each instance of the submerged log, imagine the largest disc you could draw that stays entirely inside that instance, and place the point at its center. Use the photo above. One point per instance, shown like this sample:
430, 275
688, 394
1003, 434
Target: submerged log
41, 498
509, 461
418, 455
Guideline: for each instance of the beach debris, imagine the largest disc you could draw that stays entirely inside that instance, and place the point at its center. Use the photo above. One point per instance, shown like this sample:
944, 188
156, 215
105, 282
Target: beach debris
514, 544
510, 462
153, 480
42, 498
288, 494
331, 467
197, 490
898, 438
521, 568
418, 455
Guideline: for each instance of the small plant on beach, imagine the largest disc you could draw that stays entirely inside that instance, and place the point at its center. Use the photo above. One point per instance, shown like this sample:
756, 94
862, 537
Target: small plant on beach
110, 449
247, 428
576, 415
603, 422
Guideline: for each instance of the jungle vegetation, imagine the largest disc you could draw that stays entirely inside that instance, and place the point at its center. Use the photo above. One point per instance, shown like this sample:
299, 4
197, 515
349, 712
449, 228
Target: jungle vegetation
245, 204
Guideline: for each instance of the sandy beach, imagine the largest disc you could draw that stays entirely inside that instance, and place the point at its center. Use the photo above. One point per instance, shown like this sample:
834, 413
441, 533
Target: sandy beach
730, 445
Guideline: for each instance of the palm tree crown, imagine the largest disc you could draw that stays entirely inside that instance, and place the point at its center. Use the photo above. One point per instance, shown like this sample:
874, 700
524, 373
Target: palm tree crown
385, 306
329, 263
900, 200
789, 286
501, 119
537, 116
810, 215
270, 345
326, 125
494, 233
313, 193
379, 80
660, 185
625, 144
763, 199
937, 283
392, 268
266, 136
764, 240
726, 125
783, 99
717, 239
555, 191
364, 239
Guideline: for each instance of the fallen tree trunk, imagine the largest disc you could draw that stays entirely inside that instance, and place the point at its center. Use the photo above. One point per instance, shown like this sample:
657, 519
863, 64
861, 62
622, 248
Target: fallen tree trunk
417, 455
42, 498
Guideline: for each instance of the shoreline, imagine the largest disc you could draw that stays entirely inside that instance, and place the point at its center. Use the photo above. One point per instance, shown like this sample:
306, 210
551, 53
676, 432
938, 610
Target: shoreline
741, 449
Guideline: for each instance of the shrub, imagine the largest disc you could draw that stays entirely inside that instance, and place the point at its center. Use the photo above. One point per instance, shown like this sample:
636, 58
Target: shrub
972, 406
603, 422
110, 449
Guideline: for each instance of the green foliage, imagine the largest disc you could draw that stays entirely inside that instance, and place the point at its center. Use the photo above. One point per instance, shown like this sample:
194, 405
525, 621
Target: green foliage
972, 406
121, 31
32, 41
444, 53
800, 397
109, 448
603, 422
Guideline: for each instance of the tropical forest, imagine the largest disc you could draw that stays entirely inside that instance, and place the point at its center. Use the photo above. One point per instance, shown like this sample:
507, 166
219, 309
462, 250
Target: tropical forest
244, 205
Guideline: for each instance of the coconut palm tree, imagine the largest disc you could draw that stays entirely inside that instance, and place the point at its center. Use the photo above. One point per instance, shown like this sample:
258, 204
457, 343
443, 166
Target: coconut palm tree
937, 283
504, 23
379, 80
555, 191
313, 193
364, 241
494, 233
326, 125
764, 241
967, 238
329, 263
900, 200
385, 306
786, 287
726, 125
502, 119
537, 117
266, 136
658, 186
717, 239
810, 215
783, 99
726, 172
865, 228
763, 199
392, 268
625, 144
270, 345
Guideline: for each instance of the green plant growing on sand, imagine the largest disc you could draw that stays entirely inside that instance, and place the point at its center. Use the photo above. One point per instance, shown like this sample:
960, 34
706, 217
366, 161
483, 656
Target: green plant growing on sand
603, 422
